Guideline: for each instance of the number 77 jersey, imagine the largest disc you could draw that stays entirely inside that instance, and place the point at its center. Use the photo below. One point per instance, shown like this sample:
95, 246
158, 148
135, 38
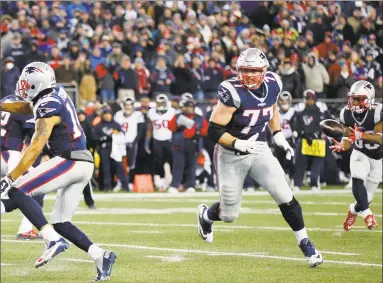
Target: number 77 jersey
254, 107
68, 135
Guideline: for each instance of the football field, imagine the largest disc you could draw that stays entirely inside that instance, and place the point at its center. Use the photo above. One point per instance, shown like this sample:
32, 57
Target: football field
155, 239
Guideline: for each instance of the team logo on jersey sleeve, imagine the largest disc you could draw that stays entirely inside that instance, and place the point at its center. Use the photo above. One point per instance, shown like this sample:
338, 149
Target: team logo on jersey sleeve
44, 111
224, 94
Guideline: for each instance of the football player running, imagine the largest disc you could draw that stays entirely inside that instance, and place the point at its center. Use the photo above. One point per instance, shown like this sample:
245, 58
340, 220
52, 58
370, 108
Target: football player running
362, 121
67, 172
247, 105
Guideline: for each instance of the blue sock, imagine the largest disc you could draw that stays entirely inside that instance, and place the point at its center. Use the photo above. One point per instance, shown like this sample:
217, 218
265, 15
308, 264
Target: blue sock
29, 207
73, 234
213, 212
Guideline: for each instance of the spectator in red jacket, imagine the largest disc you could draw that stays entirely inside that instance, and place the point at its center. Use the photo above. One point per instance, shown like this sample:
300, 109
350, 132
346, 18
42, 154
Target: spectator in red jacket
143, 77
326, 46
231, 70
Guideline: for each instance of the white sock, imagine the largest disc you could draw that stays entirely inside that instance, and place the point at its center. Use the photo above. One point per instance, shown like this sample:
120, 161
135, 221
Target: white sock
300, 235
49, 234
206, 218
25, 226
2, 208
95, 252
352, 208
366, 212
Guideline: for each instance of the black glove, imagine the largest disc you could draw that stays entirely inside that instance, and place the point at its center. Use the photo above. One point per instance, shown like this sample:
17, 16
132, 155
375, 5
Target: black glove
309, 138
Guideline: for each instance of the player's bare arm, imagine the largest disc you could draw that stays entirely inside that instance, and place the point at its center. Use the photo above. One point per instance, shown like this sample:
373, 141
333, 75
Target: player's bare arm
274, 123
220, 117
43, 130
376, 137
17, 107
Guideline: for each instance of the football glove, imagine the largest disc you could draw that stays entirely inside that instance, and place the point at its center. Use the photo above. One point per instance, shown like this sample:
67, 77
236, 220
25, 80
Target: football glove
247, 146
5, 186
281, 141
338, 146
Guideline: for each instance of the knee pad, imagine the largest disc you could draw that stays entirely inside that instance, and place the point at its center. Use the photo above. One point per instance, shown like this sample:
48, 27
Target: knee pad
230, 218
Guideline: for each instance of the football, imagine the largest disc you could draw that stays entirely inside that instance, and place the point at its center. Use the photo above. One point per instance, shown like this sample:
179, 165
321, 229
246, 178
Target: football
331, 128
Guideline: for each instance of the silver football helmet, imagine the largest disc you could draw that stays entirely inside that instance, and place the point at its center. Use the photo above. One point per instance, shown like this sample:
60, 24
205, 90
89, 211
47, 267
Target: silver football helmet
35, 78
361, 96
284, 100
162, 102
251, 66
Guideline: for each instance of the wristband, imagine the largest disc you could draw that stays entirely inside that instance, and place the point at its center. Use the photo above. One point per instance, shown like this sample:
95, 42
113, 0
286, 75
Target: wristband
276, 132
233, 143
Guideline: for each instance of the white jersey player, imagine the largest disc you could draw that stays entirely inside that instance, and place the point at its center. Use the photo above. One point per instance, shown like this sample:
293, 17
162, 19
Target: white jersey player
129, 119
362, 120
67, 172
158, 131
247, 105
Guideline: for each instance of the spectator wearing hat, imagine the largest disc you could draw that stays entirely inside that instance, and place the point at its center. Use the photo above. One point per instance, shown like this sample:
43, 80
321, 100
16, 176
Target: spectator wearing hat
66, 73
306, 129
355, 20
326, 46
302, 49
317, 29
290, 78
33, 54
213, 76
126, 79
187, 128
17, 51
161, 77
143, 77
316, 76
114, 59
9, 77
372, 68
183, 76
371, 46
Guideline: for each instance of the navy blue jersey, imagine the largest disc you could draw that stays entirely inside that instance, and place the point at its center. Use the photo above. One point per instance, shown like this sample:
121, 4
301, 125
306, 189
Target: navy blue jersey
14, 128
68, 135
366, 122
254, 107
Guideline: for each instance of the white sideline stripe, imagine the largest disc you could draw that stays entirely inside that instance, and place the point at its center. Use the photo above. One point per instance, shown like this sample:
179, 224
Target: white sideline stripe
338, 253
162, 200
7, 264
77, 260
204, 194
219, 226
215, 253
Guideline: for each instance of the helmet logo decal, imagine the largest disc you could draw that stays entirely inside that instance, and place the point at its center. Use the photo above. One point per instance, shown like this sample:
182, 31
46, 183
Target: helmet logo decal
30, 70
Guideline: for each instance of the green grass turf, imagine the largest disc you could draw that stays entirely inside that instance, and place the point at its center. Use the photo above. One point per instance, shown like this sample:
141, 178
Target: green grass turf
155, 240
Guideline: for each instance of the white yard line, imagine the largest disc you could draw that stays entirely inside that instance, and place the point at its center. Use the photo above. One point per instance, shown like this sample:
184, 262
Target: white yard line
338, 253
168, 258
77, 260
216, 253
145, 232
203, 194
7, 264
217, 225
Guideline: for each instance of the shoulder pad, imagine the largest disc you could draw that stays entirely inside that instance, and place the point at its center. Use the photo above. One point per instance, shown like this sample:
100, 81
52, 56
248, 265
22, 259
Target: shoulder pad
276, 77
228, 95
341, 115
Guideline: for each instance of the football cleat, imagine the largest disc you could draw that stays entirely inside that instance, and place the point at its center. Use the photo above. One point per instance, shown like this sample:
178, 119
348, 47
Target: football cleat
27, 236
370, 221
53, 249
314, 258
205, 229
172, 190
349, 221
106, 261
190, 190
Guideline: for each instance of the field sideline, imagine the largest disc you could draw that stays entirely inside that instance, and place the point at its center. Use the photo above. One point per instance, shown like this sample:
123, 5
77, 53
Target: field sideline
155, 239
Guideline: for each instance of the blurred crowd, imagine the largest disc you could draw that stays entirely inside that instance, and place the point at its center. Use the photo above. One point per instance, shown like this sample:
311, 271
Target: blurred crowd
122, 55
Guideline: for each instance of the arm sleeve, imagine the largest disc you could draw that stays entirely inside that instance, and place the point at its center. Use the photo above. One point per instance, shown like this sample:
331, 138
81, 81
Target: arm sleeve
228, 95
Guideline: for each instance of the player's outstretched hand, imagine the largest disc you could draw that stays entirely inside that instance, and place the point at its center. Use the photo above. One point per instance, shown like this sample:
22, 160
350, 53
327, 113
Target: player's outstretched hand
337, 146
355, 134
5, 185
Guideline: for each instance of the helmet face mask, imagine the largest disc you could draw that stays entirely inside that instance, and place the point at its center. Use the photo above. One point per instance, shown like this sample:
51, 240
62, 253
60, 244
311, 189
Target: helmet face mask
252, 66
162, 103
284, 100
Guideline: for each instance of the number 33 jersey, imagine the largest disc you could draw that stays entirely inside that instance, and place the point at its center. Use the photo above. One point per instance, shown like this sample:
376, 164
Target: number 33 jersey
254, 107
366, 122
68, 135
